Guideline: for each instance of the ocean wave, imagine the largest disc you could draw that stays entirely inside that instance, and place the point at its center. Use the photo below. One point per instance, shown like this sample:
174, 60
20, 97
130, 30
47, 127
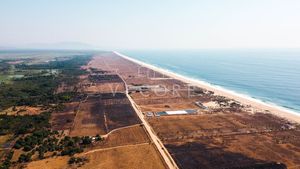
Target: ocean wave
213, 86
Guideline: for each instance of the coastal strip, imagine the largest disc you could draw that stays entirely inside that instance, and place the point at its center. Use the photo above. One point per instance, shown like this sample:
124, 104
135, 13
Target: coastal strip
256, 105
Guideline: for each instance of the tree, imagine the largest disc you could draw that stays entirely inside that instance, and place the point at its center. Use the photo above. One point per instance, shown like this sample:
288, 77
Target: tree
86, 140
98, 137
24, 158
72, 160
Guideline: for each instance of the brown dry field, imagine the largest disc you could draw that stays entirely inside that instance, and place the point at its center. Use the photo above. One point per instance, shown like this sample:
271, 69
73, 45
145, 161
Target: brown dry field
125, 136
120, 115
98, 115
60, 162
123, 148
217, 139
150, 102
167, 107
104, 88
133, 157
241, 140
89, 119
63, 120
97, 111
126, 69
23, 110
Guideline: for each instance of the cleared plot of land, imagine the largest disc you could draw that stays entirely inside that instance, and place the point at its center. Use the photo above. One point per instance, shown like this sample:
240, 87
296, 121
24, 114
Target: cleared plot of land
120, 115
89, 119
223, 136
125, 136
63, 120
102, 113
126, 147
199, 155
229, 140
133, 157
104, 87
102, 83
105, 78
168, 107
50, 163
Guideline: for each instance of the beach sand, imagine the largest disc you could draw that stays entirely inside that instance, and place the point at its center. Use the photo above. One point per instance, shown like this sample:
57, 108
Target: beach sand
256, 105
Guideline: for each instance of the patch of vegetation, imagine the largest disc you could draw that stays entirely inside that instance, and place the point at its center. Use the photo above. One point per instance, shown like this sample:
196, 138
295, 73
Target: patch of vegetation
36, 87
23, 124
39, 89
4, 66
6, 163
44, 141
78, 161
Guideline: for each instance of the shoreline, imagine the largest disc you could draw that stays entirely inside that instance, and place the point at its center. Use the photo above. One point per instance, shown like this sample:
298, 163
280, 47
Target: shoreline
244, 99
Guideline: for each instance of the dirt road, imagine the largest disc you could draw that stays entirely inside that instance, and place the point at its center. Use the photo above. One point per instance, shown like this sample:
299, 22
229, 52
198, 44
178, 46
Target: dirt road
159, 145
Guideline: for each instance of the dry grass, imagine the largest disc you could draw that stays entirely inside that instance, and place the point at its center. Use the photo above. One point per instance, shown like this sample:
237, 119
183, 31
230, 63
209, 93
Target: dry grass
136, 157
167, 107
50, 163
22, 110
133, 157
3, 140
17, 153
63, 120
89, 120
242, 140
104, 88
125, 136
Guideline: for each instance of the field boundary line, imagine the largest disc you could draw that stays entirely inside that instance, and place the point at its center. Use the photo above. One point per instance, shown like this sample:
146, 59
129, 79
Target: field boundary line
166, 156
111, 148
120, 128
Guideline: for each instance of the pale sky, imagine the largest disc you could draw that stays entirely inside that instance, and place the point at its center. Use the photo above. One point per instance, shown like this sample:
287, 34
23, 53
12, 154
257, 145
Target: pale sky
152, 24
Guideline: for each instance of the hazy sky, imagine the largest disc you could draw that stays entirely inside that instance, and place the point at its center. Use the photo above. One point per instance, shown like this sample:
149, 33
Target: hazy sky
154, 24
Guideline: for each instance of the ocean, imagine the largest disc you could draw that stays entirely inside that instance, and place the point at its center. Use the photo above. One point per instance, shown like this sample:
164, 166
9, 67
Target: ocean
269, 75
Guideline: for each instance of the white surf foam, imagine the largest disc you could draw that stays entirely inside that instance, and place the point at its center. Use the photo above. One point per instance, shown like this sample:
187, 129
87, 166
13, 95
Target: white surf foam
209, 85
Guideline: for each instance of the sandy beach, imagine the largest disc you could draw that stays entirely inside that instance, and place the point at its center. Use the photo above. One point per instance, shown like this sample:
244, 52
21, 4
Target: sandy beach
257, 105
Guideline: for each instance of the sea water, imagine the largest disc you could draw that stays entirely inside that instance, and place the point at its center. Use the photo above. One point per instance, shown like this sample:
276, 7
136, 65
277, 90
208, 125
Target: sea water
269, 75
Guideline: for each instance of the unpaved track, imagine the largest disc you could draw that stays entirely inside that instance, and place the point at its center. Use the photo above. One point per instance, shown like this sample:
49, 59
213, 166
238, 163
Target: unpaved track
159, 145
154, 138
111, 148
125, 127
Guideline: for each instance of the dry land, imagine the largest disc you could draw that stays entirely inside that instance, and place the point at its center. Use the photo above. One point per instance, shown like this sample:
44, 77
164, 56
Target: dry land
95, 126
104, 109
135, 157
214, 131
224, 132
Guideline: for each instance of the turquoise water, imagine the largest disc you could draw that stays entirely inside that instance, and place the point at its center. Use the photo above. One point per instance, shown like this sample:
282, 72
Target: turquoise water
271, 76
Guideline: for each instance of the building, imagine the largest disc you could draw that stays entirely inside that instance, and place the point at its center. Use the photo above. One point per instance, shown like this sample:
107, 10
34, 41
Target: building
176, 112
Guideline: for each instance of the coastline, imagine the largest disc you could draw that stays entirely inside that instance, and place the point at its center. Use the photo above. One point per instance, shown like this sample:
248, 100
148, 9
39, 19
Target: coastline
245, 100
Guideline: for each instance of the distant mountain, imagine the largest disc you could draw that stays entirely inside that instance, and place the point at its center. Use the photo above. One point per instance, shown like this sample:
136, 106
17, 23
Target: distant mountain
62, 46
6, 48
